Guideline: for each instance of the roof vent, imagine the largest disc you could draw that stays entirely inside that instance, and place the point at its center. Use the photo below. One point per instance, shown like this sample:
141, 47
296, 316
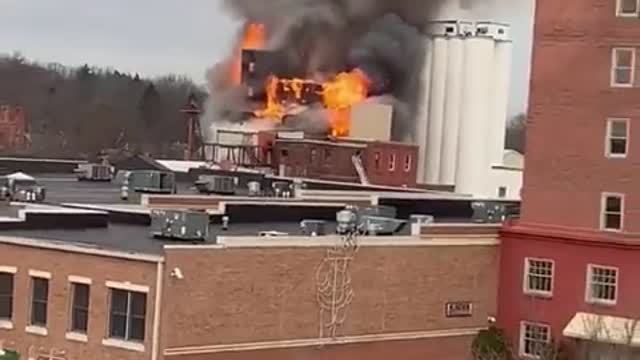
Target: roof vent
418, 221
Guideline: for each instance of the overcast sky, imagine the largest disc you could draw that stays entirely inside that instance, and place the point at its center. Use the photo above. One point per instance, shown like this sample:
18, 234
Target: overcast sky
155, 37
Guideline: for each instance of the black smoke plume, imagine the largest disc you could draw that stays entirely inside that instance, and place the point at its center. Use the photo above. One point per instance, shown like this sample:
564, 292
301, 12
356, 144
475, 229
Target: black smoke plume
320, 38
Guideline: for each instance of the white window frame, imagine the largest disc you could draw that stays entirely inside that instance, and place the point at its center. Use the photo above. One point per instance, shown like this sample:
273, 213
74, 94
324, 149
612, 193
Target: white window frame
7, 324
407, 164
603, 211
619, 12
392, 162
588, 294
130, 344
525, 278
523, 326
614, 67
608, 138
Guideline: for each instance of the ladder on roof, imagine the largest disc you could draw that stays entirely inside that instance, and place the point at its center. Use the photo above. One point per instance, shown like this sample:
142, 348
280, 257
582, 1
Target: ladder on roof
362, 174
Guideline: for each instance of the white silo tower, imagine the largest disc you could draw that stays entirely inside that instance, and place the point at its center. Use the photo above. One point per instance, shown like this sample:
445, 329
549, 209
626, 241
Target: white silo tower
472, 168
453, 102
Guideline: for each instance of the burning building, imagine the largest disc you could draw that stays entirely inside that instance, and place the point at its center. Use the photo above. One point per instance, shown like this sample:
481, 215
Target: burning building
307, 66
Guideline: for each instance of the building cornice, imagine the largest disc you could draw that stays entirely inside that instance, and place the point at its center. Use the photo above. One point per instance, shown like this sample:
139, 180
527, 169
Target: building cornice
577, 236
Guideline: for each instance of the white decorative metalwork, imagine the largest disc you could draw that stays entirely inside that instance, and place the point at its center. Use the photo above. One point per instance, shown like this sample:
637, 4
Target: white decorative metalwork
334, 292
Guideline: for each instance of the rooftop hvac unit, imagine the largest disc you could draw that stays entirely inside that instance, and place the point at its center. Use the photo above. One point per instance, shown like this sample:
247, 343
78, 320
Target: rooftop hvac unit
313, 227
379, 210
450, 28
378, 225
282, 189
151, 181
254, 188
93, 172
488, 212
216, 184
497, 31
375, 220
180, 225
21, 187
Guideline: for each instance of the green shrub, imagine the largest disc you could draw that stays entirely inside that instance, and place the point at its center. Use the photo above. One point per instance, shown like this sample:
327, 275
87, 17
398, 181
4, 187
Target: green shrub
490, 344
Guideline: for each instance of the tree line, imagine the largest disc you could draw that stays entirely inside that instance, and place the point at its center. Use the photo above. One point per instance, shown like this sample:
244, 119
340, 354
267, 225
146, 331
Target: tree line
80, 111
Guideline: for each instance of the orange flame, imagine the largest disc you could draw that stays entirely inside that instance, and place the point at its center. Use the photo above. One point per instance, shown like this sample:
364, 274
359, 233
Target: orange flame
253, 38
338, 96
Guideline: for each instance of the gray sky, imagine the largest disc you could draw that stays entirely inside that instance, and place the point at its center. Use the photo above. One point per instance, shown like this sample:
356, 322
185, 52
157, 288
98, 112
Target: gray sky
155, 37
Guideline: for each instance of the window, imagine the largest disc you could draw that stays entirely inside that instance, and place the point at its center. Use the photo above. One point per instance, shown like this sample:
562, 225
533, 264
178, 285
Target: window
79, 308
627, 8
284, 154
127, 315
327, 155
376, 159
534, 339
392, 162
39, 298
407, 163
617, 135
538, 276
612, 211
602, 284
622, 69
6, 296
313, 156
502, 191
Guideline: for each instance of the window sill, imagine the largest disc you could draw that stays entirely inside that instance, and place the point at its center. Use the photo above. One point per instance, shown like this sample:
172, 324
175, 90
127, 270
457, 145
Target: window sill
605, 303
79, 337
6, 325
123, 344
37, 330
539, 294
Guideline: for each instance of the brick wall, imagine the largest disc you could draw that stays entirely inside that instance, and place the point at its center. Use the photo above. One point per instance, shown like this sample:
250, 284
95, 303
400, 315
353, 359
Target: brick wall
379, 171
62, 264
250, 294
570, 101
449, 348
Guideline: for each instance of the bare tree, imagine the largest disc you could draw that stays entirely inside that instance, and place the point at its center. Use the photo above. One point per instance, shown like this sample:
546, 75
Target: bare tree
88, 105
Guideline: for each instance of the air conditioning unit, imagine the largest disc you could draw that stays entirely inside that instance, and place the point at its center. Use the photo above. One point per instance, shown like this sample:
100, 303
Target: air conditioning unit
93, 172
497, 31
488, 212
151, 181
282, 189
216, 184
180, 225
254, 188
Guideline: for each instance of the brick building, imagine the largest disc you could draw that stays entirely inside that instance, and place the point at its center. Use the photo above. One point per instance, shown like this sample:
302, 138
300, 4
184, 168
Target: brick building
568, 265
383, 163
13, 129
244, 297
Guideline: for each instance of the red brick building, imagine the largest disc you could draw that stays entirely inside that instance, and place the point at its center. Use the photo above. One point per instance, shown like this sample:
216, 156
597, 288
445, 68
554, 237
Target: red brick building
13, 129
384, 163
568, 266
